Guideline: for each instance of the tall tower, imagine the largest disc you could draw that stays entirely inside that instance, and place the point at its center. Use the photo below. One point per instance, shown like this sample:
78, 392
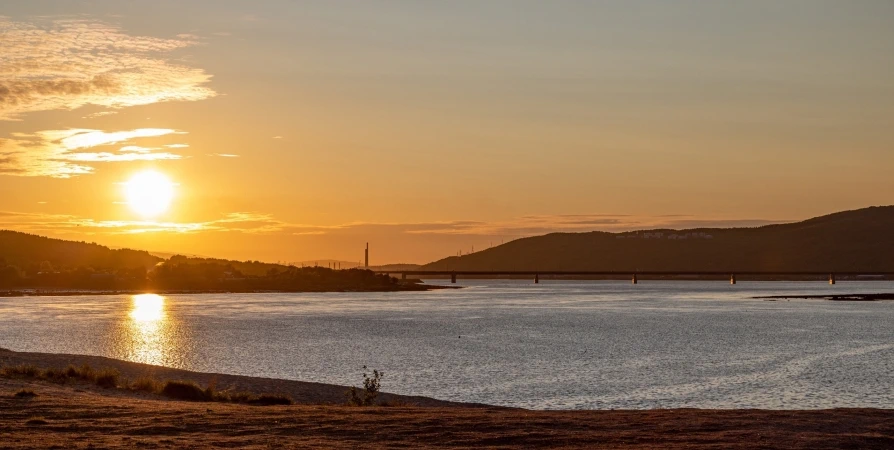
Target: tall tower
366, 256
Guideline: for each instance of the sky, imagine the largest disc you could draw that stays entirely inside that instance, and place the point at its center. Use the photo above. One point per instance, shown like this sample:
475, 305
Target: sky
296, 130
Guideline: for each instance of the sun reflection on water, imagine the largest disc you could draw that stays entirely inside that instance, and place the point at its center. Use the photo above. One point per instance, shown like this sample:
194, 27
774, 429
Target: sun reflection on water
148, 308
148, 329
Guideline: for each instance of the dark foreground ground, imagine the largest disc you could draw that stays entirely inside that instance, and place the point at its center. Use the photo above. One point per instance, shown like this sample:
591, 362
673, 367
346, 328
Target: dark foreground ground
72, 417
82, 415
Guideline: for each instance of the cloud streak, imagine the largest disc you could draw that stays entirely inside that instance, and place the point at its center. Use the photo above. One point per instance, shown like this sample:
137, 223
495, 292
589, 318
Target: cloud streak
61, 153
66, 64
259, 223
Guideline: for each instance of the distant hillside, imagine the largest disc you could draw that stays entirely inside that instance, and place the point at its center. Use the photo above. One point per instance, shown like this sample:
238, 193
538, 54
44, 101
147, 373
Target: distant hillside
861, 240
395, 267
34, 262
28, 252
334, 263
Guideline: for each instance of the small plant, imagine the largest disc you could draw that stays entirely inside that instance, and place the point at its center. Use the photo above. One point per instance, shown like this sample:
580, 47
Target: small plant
184, 390
55, 375
147, 384
71, 372
23, 370
86, 373
241, 397
371, 386
25, 393
106, 378
36, 421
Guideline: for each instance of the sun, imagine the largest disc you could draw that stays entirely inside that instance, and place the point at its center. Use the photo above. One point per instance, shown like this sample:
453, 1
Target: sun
149, 193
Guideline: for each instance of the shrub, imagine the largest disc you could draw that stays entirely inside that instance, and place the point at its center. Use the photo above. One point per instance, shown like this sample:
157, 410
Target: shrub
23, 370
55, 375
71, 371
86, 373
146, 384
241, 397
269, 400
106, 378
371, 386
184, 390
25, 393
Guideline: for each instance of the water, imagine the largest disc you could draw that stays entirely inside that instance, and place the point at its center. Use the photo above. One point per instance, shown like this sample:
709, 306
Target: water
582, 345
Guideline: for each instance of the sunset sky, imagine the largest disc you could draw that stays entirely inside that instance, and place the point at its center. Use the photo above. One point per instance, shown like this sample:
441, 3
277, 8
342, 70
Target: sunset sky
299, 130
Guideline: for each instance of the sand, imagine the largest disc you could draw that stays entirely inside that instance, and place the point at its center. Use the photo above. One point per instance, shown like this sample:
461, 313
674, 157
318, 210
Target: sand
86, 416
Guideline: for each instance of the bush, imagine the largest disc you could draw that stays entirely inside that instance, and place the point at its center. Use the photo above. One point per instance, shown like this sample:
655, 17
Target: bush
241, 397
371, 386
25, 393
55, 375
36, 421
86, 373
71, 371
106, 378
185, 390
146, 384
270, 400
23, 370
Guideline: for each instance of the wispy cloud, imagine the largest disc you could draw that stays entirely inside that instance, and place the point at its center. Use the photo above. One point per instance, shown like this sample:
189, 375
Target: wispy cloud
100, 114
66, 64
61, 153
137, 148
224, 155
259, 223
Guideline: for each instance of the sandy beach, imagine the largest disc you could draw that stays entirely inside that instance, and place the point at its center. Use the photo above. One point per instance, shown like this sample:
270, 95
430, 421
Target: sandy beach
82, 415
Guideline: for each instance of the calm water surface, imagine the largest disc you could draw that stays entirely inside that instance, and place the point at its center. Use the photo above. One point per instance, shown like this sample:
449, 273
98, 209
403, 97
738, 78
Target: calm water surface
593, 345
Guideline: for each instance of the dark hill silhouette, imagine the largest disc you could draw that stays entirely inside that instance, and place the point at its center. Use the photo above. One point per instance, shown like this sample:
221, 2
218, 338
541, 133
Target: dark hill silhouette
35, 262
861, 240
25, 250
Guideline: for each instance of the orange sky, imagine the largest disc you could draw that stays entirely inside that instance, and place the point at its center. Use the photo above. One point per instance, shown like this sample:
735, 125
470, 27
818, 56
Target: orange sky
296, 131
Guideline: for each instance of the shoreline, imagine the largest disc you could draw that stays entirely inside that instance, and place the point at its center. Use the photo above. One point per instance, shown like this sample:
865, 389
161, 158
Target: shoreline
78, 415
43, 292
832, 297
302, 392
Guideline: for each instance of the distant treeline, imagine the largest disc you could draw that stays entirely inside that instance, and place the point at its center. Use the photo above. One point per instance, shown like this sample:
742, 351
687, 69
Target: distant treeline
35, 262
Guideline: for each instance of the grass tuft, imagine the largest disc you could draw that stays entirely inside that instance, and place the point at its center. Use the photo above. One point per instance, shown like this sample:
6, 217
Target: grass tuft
111, 379
55, 375
37, 421
106, 378
185, 390
23, 370
25, 393
147, 384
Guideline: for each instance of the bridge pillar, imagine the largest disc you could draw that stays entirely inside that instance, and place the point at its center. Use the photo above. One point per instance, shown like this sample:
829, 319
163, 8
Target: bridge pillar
536, 278
453, 278
403, 276
732, 279
635, 279
831, 278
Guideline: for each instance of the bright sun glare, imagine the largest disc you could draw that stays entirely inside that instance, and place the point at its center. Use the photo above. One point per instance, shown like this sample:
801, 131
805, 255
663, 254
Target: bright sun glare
149, 193
147, 307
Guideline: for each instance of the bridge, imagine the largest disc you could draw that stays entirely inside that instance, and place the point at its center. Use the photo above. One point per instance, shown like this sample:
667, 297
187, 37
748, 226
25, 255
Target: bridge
634, 276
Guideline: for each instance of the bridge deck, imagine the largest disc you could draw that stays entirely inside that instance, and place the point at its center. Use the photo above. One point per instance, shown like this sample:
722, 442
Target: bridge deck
632, 272
635, 275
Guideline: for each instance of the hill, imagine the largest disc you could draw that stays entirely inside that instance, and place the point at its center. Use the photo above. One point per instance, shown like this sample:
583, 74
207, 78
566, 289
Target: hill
28, 252
35, 262
861, 240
